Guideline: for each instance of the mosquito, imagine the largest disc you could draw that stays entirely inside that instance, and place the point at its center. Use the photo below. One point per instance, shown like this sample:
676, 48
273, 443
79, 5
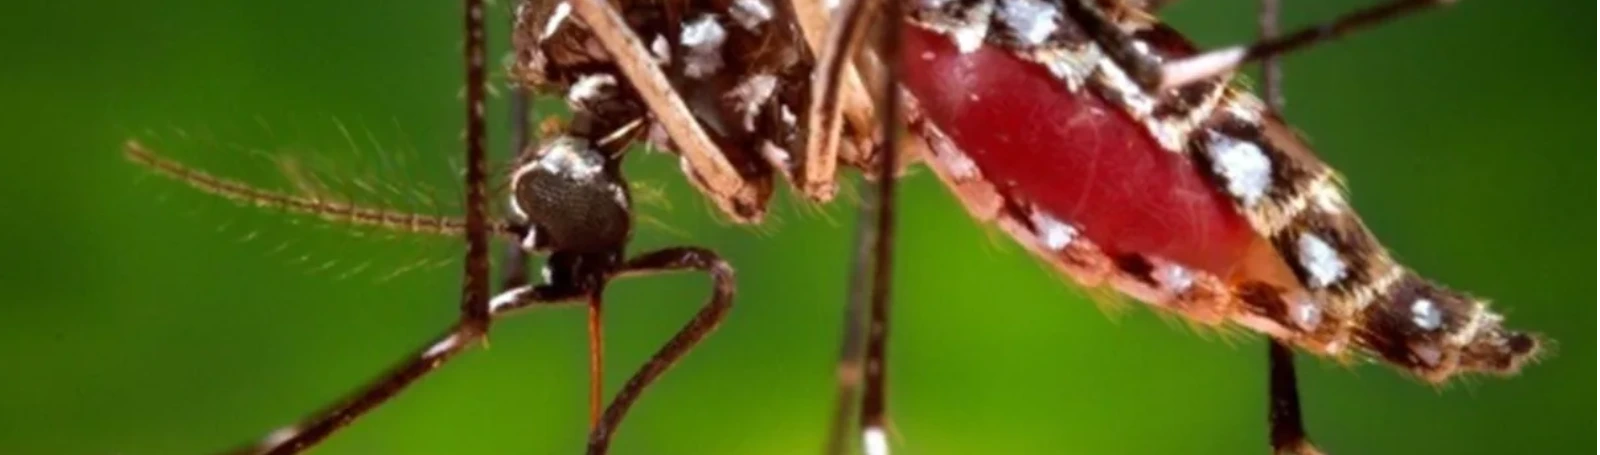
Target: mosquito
1253, 230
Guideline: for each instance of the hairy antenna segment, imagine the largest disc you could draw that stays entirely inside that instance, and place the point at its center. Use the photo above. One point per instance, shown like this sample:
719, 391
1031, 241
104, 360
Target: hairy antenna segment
336, 211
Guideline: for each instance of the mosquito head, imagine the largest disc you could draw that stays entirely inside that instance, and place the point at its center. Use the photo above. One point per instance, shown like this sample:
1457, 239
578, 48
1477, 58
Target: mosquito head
574, 197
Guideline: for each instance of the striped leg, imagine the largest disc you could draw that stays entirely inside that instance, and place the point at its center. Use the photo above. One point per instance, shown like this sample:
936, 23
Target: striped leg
1287, 432
475, 310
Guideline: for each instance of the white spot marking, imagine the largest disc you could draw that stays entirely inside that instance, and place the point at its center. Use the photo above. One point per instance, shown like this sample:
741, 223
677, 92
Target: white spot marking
279, 436
1031, 20
968, 37
751, 13
787, 115
1426, 315
1305, 313
661, 50
1174, 278
751, 94
544, 274
874, 441
776, 155
446, 344
560, 15
530, 242
1243, 165
619, 195
567, 157
503, 299
1055, 234
588, 87
1320, 261
703, 39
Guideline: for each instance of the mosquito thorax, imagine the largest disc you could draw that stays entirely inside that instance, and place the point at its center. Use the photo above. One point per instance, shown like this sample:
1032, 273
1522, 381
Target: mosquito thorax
574, 197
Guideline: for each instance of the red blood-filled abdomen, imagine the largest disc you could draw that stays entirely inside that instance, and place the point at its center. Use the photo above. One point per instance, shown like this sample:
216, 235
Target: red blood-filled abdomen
1074, 155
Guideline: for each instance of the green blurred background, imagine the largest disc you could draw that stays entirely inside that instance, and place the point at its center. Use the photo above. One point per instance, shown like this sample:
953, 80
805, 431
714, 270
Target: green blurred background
144, 318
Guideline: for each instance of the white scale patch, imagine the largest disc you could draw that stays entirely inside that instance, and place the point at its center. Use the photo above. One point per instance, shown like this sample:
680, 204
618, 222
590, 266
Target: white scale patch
1320, 261
509, 297
751, 94
1305, 313
1031, 20
1054, 233
751, 13
874, 441
444, 345
660, 50
560, 15
588, 87
702, 38
619, 195
566, 158
1426, 315
1174, 278
279, 436
1243, 165
530, 241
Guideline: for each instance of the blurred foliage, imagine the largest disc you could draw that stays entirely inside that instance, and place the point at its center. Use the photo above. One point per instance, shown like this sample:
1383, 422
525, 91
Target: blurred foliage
146, 318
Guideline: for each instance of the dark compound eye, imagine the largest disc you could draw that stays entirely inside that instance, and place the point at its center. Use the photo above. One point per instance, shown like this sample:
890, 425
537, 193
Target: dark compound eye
574, 197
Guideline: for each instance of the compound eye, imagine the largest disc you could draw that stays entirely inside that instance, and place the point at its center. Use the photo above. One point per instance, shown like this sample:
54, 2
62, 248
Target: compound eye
569, 192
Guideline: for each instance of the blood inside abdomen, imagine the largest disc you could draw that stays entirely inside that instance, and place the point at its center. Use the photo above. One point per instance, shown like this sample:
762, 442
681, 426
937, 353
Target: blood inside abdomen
1075, 156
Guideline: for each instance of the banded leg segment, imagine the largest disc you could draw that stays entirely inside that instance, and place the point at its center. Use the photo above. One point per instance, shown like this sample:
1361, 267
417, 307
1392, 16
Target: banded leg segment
703, 323
874, 406
297, 438
1153, 74
475, 302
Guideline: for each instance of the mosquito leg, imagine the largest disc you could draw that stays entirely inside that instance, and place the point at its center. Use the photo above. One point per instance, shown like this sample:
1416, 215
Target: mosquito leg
1218, 61
665, 260
1153, 74
824, 126
475, 301
814, 18
874, 410
297, 438
1287, 432
853, 345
